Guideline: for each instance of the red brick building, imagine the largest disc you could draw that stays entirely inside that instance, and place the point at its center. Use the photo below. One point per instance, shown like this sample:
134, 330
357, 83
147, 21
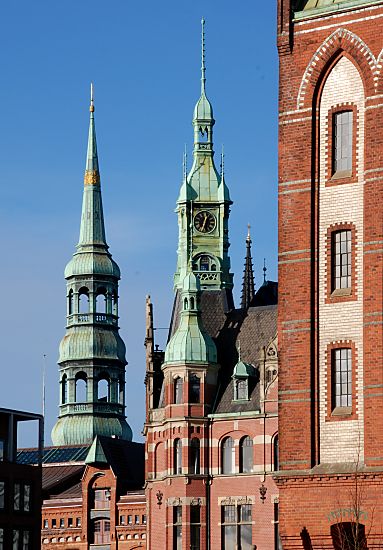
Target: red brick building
211, 419
330, 273
92, 496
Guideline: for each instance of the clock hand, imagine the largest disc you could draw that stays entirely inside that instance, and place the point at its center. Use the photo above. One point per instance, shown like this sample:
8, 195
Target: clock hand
204, 222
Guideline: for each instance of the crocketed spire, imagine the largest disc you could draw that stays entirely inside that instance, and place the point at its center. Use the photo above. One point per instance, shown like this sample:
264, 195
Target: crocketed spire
248, 290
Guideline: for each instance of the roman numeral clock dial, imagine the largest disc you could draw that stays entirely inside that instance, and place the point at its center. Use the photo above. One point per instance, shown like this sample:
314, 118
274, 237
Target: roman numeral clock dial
205, 221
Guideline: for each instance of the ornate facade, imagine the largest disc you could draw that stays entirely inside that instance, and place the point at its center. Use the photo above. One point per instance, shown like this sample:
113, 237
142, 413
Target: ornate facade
330, 274
211, 419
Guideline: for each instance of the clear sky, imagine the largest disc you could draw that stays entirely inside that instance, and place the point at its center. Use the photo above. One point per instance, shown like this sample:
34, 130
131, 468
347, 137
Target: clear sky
144, 60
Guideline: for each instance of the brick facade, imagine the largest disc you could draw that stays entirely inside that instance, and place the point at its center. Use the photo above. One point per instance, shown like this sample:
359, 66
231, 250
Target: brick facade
329, 62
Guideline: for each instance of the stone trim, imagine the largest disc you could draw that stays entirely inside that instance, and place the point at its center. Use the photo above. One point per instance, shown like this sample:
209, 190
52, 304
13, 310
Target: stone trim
330, 296
338, 417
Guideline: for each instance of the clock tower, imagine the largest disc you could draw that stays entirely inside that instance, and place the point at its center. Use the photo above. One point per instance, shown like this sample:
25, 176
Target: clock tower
203, 205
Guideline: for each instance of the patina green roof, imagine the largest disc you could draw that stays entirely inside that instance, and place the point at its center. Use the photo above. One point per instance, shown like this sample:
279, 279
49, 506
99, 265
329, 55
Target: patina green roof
96, 454
78, 429
92, 342
92, 349
92, 254
243, 370
190, 343
328, 5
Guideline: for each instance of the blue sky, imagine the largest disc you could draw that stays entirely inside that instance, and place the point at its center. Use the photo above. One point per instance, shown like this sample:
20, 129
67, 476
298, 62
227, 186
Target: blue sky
144, 60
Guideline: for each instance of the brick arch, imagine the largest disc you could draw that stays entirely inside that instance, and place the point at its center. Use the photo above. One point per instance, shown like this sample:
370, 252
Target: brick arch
378, 81
341, 40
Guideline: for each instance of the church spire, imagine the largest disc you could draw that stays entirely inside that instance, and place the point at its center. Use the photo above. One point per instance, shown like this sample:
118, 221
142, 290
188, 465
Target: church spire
92, 229
248, 275
92, 353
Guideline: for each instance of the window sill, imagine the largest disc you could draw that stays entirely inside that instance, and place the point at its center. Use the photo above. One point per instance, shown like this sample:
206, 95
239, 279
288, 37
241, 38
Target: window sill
342, 411
341, 292
341, 175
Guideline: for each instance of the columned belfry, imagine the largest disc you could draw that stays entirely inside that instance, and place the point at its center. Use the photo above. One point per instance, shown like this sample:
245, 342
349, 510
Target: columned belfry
203, 205
92, 354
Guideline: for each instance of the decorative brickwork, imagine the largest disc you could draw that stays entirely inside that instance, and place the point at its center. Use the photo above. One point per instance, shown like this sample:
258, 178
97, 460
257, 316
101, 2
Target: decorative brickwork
329, 62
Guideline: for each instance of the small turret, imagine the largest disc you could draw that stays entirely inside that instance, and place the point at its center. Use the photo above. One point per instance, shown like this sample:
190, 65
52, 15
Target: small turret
190, 343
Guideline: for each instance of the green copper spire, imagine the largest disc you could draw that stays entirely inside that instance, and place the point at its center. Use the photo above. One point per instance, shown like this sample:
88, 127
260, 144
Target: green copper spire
190, 343
92, 353
203, 204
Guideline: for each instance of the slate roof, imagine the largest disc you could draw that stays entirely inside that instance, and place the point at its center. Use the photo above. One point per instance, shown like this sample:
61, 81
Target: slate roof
57, 477
62, 478
254, 328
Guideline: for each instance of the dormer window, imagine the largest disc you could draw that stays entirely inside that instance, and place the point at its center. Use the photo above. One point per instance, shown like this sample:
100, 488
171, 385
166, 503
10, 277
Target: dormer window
241, 389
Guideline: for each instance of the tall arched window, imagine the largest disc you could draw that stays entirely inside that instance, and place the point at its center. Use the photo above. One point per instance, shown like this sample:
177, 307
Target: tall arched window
83, 300
103, 389
120, 390
177, 456
194, 465
114, 303
81, 388
101, 301
70, 302
64, 389
246, 455
276, 453
101, 531
178, 391
194, 388
228, 456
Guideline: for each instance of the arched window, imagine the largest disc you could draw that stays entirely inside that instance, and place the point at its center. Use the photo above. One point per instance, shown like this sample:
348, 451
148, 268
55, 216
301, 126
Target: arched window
114, 303
276, 453
160, 466
177, 456
186, 304
191, 303
204, 262
228, 456
64, 389
103, 389
83, 300
246, 455
101, 301
101, 531
194, 388
178, 391
120, 390
348, 535
70, 302
81, 388
194, 465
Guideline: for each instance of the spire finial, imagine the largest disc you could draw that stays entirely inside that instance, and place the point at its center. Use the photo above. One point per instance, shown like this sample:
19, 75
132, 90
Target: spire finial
239, 349
203, 68
223, 162
248, 233
91, 108
264, 270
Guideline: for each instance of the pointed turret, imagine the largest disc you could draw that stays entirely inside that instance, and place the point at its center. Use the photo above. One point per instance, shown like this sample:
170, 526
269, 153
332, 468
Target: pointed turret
92, 353
190, 343
248, 290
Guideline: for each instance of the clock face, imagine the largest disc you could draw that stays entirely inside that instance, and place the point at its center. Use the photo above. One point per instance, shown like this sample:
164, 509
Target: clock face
204, 221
